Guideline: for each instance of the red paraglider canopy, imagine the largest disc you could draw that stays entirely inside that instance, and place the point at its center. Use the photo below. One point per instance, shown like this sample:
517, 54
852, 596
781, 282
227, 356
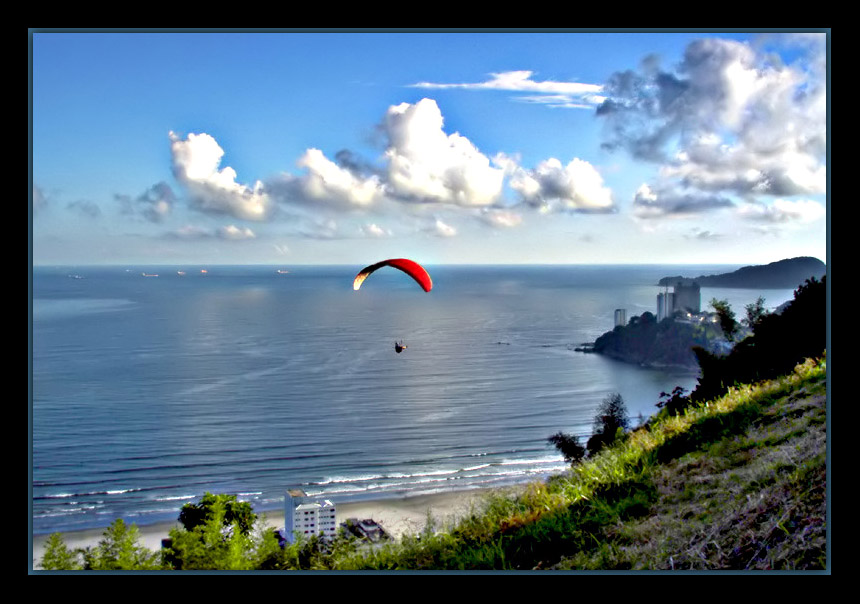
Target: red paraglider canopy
410, 267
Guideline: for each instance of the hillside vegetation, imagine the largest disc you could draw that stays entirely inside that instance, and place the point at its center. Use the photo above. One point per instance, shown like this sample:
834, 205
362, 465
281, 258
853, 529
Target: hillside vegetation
738, 482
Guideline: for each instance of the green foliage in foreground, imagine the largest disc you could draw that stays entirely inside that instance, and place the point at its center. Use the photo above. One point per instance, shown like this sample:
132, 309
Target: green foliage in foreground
745, 472
118, 550
737, 482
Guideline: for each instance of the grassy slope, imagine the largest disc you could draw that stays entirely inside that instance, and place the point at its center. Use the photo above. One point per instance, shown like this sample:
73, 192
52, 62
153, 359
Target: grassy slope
737, 483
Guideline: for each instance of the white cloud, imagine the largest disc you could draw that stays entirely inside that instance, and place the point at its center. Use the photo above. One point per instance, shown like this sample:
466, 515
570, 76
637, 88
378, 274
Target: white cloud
234, 233
553, 93
551, 185
196, 162
441, 229
730, 122
729, 119
653, 203
783, 211
425, 164
501, 218
155, 204
374, 230
326, 181
229, 233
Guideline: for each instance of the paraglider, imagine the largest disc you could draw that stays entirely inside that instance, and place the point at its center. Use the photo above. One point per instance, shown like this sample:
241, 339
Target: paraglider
410, 267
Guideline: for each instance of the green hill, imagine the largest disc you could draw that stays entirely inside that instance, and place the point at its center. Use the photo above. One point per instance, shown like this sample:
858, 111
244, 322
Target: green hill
736, 483
783, 274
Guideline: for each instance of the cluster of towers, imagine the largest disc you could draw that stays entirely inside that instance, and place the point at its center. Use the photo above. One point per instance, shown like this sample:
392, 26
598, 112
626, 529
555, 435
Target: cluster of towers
684, 298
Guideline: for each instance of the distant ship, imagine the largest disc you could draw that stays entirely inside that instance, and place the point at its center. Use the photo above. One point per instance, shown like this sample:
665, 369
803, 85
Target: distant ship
282, 271
149, 274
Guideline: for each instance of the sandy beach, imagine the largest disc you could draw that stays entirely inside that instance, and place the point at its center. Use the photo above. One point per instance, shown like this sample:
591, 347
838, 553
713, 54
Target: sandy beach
405, 515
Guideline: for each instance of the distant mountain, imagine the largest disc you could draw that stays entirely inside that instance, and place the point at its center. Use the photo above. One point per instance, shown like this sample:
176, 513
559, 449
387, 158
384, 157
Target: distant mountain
783, 274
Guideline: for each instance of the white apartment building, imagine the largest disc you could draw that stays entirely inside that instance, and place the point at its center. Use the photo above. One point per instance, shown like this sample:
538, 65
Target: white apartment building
307, 517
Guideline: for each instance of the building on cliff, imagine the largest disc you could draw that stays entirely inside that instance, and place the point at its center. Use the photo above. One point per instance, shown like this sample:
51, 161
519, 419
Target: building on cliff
684, 298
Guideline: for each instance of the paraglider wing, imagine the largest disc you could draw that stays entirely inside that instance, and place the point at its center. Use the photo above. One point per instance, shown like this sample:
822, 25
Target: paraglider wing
410, 267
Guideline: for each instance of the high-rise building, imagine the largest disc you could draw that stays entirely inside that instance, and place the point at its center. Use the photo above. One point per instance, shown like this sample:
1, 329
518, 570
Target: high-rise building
684, 297
620, 317
665, 305
306, 516
688, 297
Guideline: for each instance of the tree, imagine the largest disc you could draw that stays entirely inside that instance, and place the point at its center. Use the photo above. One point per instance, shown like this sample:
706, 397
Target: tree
119, 550
219, 533
193, 515
675, 401
728, 323
568, 446
756, 311
58, 556
779, 342
611, 421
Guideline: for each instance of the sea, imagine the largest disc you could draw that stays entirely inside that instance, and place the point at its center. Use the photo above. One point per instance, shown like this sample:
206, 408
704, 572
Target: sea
151, 385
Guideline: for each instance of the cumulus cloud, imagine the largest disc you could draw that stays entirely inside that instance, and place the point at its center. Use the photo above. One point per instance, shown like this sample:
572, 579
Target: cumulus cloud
374, 230
440, 229
577, 186
234, 233
500, 218
729, 118
196, 161
228, 233
422, 165
783, 211
699, 234
85, 208
650, 203
329, 182
426, 164
155, 204
553, 93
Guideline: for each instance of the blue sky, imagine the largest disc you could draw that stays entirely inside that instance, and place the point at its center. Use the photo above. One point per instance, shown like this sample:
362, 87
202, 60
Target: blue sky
476, 147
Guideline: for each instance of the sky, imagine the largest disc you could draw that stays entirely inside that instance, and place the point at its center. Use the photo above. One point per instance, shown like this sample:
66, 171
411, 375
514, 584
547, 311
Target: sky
300, 147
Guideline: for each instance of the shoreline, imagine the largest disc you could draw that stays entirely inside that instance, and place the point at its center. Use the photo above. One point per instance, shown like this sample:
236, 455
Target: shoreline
398, 516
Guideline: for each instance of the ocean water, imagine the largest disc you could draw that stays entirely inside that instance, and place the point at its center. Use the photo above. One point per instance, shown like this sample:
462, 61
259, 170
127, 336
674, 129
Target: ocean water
148, 391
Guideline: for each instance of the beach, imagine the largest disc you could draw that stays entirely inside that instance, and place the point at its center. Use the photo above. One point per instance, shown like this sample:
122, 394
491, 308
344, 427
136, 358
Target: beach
398, 516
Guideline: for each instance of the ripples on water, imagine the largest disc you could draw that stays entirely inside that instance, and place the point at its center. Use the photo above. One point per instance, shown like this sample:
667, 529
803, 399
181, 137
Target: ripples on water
148, 392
